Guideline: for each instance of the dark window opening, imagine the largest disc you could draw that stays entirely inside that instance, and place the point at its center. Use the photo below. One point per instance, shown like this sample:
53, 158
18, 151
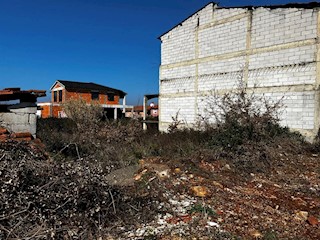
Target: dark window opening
111, 97
60, 95
95, 96
55, 96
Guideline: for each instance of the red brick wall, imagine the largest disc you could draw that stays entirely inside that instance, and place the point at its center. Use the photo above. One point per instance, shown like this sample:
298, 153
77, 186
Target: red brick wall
103, 98
45, 112
55, 111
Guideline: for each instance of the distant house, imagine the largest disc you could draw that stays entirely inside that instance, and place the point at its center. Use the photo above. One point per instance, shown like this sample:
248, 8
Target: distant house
62, 91
137, 111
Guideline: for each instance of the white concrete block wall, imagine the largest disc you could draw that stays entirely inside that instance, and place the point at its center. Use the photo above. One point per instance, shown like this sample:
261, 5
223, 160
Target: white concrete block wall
221, 66
178, 45
297, 114
223, 38
206, 14
184, 106
222, 51
218, 81
283, 76
283, 57
224, 13
204, 108
178, 85
299, 109
178, 72
282, 25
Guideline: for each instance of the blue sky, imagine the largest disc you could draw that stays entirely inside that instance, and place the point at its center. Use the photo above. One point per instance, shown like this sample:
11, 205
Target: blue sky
110, 42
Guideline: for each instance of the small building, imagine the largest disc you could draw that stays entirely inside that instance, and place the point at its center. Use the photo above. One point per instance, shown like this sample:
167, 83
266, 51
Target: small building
18, 109
63, 90
274, 49
137, 111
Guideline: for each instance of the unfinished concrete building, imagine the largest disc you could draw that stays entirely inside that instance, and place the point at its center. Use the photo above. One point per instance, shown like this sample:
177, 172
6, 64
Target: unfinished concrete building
18, 109
275, 48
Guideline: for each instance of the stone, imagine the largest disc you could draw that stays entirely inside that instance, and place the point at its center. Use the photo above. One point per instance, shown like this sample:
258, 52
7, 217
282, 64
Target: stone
256, 234
199, 191
313, 220
301, 216
213, 224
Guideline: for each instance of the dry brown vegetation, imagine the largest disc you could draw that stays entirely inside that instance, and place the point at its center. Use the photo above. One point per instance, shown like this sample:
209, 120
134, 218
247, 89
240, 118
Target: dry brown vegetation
245, 178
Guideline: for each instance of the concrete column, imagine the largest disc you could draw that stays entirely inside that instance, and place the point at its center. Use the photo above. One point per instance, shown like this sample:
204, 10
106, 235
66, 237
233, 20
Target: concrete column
145, 102
248, 47
124, 104
317, 84
115, 113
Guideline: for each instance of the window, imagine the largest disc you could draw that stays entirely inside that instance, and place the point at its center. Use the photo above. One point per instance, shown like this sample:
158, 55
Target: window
94, 96
55, 99
110, 97
60, 95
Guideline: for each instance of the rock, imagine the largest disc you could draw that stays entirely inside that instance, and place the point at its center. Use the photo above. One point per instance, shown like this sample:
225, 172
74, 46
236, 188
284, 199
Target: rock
226, 167
213, 224
301, 216
256, 234
177, 170
313, 220
122, 177
199, 191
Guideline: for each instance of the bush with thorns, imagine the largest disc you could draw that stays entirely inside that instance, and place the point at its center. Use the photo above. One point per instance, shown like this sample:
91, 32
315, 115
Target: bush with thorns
242, 115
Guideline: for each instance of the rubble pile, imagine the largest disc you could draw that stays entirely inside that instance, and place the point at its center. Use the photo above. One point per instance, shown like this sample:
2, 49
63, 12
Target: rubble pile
20, 136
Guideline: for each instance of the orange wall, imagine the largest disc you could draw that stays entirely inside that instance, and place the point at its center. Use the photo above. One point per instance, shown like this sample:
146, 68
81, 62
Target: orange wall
103, 98
55, 110
46, 111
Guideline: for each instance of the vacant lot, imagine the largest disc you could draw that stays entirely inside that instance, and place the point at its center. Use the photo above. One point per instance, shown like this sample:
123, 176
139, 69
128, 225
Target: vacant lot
244, 177
113, 181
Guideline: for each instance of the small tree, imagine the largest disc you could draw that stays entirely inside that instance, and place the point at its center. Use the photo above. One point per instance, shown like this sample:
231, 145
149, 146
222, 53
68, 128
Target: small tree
83, 114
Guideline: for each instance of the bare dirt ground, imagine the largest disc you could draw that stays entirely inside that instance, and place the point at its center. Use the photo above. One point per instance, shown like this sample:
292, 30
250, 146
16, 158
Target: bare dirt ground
195, 197
281, 204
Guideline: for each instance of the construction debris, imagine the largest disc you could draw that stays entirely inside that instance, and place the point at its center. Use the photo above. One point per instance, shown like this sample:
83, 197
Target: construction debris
18, 136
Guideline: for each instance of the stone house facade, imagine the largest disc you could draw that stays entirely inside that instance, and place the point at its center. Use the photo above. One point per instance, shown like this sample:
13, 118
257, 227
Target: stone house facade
275, 49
